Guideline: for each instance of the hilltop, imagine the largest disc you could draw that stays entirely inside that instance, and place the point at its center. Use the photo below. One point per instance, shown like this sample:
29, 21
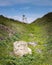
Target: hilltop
12, 27
39, 31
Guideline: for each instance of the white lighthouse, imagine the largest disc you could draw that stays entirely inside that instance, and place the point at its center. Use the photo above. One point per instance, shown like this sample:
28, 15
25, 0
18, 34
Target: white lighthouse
24, 18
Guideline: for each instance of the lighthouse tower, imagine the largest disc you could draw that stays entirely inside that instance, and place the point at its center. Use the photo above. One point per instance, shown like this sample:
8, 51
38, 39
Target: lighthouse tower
24, 19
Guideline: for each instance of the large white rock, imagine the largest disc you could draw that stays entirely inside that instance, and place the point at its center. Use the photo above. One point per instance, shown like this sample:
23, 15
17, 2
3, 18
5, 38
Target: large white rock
21, 48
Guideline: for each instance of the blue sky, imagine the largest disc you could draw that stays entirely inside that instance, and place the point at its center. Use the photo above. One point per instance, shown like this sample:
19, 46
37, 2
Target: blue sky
33, 9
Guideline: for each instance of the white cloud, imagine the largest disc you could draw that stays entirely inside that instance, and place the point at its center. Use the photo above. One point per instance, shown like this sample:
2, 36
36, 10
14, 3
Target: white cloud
12, 2
43, 2
30, 17
33, 2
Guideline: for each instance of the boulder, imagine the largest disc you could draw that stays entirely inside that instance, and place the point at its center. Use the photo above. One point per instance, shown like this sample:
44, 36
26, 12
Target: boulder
21, 48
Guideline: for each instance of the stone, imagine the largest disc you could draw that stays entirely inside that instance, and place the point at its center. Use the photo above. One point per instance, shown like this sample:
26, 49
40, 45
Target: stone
21, 48
32, 43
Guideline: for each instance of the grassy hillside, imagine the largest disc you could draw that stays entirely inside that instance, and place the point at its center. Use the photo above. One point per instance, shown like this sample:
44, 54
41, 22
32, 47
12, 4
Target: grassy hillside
40, 31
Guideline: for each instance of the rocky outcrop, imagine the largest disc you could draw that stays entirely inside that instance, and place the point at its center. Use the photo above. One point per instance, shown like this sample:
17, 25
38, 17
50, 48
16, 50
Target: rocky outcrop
21, 48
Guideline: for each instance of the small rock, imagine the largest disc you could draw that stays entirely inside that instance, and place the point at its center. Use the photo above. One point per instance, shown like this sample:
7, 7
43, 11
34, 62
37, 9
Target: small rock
32, 43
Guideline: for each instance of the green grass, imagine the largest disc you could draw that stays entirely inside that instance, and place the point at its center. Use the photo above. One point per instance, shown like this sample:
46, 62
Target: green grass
40, 31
